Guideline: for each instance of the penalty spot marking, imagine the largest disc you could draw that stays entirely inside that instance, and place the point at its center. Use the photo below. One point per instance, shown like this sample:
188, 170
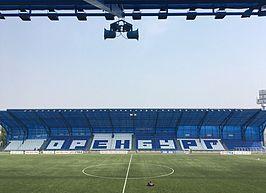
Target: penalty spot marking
128, 168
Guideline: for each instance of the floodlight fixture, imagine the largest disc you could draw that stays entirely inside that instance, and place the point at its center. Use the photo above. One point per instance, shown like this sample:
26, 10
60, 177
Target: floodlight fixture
109, 16
220, 14
134, 35
247, 13
24, 15
163, 13
53, 16
191, 14
121, 26
132, 114
261, 100
81, 15
136, 15
2, 16
109, 34
261, 12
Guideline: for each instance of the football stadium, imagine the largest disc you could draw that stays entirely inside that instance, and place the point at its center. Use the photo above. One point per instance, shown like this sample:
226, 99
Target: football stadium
133, 150
171, 113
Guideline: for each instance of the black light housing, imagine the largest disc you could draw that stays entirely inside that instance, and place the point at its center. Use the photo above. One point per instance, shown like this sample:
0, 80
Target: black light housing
163, 13
53, 16
191, 14
220, 14
136, 15
261, 12
24, 15
109, 34
247, 13
109, 16
133, 35
2, 16
81, 15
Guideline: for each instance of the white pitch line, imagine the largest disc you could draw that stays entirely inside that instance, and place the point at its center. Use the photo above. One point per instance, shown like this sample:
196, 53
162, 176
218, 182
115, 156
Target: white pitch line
125, 183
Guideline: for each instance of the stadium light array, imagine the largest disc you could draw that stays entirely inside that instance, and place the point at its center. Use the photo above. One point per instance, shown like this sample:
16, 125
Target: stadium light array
121, 27
132, 114
261, 100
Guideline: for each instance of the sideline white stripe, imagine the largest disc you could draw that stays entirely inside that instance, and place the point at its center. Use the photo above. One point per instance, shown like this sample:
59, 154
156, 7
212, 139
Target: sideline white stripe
125, 183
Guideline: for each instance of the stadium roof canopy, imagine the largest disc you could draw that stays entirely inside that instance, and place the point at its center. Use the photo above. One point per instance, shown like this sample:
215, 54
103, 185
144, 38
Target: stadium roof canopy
122, 8
43, 123
131, 118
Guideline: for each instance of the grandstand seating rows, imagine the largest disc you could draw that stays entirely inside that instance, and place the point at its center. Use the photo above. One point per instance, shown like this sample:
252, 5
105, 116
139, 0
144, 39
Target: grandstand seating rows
27, 145
112, 141
124, 141
201, 144
243, 145
13, 145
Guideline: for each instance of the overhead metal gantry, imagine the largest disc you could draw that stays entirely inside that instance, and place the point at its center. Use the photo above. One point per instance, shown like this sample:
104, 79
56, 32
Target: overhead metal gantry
110, 9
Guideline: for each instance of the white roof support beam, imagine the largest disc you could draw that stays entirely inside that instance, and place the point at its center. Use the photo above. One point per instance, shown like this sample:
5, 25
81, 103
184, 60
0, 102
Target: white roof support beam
114, 9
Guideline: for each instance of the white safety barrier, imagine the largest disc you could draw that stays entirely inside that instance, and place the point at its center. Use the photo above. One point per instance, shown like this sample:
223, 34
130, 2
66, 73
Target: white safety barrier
113, 152
16, 152
235, 152
68, 152
31, 152
48, 152
167, 152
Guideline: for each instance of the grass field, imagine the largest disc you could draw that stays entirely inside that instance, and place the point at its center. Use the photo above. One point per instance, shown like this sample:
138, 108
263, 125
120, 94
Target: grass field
107, 173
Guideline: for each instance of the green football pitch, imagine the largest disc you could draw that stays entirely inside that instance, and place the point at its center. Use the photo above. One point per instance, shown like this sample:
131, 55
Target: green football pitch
95, 173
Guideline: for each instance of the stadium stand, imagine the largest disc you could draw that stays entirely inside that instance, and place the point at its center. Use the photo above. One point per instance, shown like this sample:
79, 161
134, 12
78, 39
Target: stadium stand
101, 141
201, 144
141, 129
13, 145
156, 144
122, 141
67, 143
31, 144
243, 145
109, 141
190, 144
212, 144
156, 139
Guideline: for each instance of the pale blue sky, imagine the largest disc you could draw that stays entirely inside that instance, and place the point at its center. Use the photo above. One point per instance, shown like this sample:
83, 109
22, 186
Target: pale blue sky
176, 63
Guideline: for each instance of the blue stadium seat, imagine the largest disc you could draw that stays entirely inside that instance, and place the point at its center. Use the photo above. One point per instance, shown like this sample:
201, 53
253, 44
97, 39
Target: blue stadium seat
243, 145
